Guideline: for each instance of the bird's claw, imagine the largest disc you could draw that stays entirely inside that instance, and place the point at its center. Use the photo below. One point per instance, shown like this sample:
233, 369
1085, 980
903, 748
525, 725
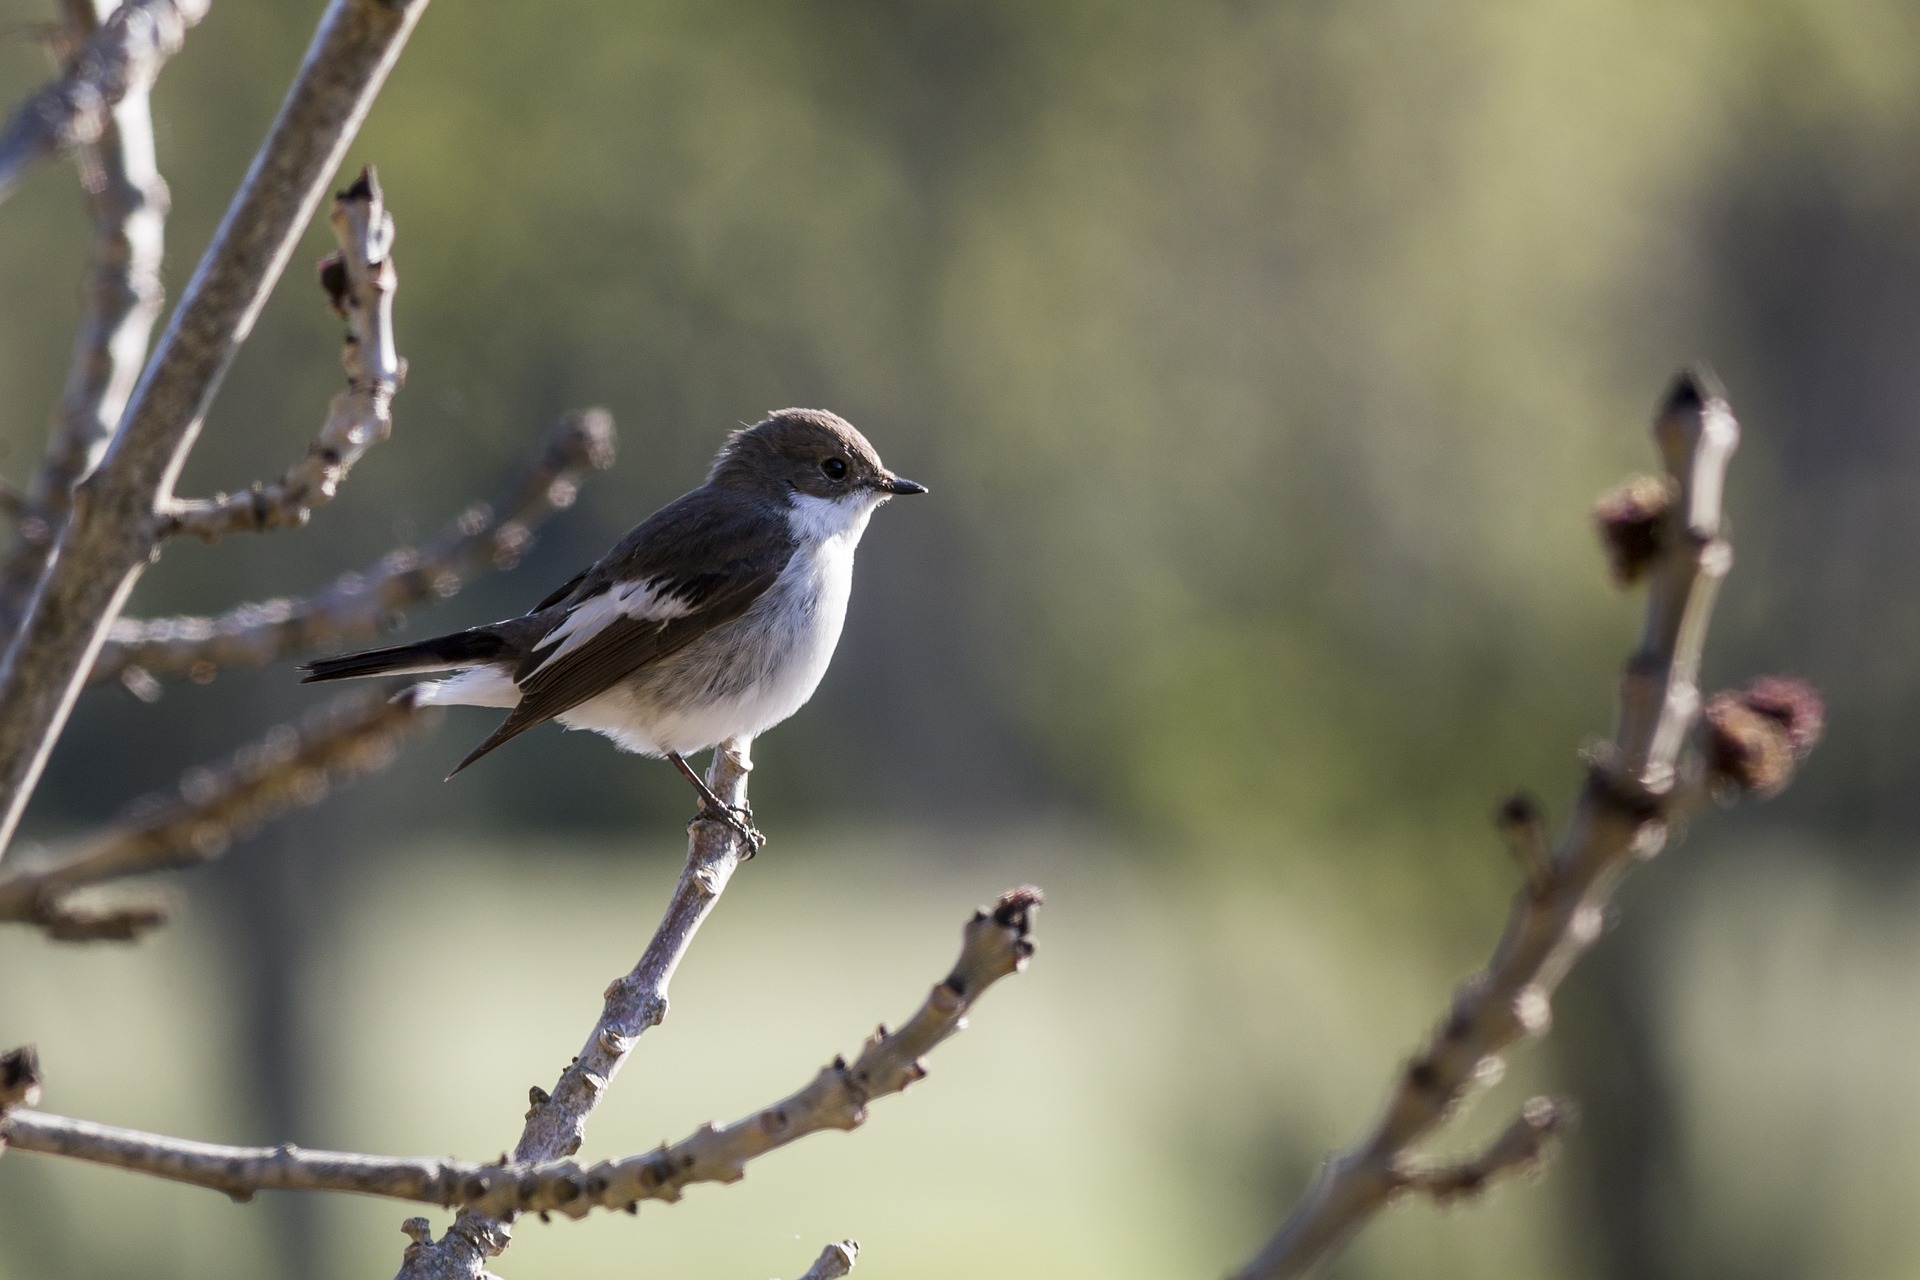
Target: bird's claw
736, 818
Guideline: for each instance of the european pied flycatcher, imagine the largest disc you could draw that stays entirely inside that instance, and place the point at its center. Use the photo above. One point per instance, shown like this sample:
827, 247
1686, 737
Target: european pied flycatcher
713, 619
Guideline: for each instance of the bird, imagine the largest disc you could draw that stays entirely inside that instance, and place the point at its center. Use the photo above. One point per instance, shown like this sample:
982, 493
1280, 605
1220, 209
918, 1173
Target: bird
712, 619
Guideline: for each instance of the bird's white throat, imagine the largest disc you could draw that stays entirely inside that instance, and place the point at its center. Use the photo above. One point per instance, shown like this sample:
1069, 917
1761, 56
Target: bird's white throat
817, 520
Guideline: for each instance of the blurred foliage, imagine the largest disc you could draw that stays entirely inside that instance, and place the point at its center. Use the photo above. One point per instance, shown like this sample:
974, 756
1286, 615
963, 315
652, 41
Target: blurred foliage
1263, 359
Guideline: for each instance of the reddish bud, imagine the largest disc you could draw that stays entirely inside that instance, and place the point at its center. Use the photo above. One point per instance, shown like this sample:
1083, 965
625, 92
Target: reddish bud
1631, 520
1753, 737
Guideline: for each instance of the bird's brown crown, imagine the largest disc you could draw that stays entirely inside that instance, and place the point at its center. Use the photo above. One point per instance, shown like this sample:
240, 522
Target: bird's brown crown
806, 451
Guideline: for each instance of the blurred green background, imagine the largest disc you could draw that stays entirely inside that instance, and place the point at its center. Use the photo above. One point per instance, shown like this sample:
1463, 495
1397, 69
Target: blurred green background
1263, 359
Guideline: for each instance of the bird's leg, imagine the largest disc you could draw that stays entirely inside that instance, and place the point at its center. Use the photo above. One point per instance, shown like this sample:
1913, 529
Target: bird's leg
712, 807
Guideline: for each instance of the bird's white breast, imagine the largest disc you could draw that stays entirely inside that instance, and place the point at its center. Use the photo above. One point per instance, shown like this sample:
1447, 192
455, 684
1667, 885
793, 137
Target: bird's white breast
749, 674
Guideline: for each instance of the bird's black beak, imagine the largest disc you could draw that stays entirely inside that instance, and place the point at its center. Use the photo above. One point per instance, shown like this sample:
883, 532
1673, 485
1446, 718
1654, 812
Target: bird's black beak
898, 484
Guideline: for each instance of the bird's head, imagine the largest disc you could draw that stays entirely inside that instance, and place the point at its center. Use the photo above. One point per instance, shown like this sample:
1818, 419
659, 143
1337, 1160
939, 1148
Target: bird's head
807, 453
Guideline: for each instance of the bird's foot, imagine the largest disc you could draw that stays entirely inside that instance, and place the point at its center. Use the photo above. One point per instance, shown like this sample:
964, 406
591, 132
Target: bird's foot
736, 818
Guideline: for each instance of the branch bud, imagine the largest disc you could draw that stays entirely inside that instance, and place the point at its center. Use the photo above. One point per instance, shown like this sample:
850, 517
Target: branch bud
19, 1078
1632, 521
1752, 739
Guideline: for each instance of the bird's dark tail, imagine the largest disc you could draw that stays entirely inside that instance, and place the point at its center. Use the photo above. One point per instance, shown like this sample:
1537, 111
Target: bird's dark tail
442, 653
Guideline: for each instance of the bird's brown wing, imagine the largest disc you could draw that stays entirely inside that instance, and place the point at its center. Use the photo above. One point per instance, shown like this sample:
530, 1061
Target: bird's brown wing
694, 565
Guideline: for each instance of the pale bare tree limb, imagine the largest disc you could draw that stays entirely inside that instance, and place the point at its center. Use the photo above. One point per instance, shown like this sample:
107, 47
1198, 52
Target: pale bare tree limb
1668, 533
834, 1262
114, 529
128, 202
212, 807
360, 282
362, 606
122, 57
996, 943
556, 1121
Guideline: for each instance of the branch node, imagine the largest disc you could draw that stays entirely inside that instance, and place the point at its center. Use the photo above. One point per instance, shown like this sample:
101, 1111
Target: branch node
834, 1262
1520, 821
19, 1078
1632, 521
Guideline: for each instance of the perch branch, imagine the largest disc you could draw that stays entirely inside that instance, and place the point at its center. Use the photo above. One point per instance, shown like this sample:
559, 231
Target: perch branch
556, 1122
360, 281
361, 606
996, 942
113, 531
119, 59
834, 1262
290, 766
127, 200
1669, 534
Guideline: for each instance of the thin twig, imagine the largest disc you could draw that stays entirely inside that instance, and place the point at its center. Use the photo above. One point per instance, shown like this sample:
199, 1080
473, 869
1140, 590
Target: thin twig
556, 1122
362, 606
121, 58
1519, 1149
834, 1262
211, 808
128, 202
1633, 794
996, 943
113, 532
360, 281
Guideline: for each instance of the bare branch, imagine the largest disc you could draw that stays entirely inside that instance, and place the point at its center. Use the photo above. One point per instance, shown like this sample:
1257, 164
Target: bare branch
360, 281
997, 942
290, 766
1632, 796
128, 202
113, 532
835, 1261
121, 58
362, 606
1520, 1148
556, 1122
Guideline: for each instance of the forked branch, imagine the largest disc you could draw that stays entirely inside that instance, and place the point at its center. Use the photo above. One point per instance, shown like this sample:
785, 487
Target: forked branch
128, 202
214, 806
360, 280
997, 942
362, 606
114, 530
556, 1122
1667, 532
122, 57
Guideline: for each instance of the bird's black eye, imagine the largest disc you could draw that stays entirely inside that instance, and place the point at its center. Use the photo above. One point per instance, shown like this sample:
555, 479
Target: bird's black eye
835, 468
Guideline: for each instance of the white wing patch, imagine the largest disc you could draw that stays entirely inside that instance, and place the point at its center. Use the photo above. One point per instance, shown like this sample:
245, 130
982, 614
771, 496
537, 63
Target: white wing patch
590, 617
475, 687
